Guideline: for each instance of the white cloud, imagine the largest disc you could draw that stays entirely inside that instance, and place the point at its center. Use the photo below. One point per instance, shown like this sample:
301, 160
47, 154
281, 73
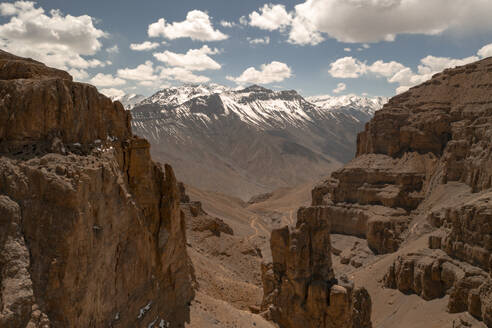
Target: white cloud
347, 49
243, 20
193, 59
113, 50
395, 72
432, 65
227, 24
365, 21
271, 17
303, 31
347, 67
268, 73
54, 38
385, 69
106, 80
143, 72
485, 51
197, 26
340, 87
78, 74
147, 45
112, 93
182, 75
381, 20
265, 40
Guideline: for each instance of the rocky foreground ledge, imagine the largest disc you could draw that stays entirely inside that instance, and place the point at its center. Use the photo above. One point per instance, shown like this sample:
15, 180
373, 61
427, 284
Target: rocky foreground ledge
91, 230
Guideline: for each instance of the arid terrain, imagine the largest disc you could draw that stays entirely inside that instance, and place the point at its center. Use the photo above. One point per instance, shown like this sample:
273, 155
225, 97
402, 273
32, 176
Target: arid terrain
96, 234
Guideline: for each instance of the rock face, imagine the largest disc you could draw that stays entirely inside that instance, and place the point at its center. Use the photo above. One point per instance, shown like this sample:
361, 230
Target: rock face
432, 274
435, 133
448, 118
92, 234
300, 288
426, 155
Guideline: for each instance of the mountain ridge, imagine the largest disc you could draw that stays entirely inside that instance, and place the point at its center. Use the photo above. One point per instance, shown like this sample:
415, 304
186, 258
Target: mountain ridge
249, 141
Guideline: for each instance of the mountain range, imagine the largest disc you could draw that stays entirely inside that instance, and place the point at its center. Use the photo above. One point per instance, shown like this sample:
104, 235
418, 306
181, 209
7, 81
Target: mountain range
253, 140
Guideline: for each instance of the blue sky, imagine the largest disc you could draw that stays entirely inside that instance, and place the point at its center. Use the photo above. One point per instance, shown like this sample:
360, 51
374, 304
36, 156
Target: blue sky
307, 47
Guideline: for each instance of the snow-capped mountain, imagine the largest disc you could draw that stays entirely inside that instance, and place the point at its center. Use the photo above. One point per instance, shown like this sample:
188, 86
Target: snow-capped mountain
174, 96
251, 140
129, 100
366, 104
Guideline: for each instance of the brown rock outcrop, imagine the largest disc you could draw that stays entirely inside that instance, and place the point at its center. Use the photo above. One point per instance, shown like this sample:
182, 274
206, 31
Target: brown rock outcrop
435, 133
433, 274
449, 117
92, 233
373, 197
300, 288
466, 230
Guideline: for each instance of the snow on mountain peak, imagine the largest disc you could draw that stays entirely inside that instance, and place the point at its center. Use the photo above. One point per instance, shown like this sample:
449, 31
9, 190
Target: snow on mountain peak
257, 106
367, 104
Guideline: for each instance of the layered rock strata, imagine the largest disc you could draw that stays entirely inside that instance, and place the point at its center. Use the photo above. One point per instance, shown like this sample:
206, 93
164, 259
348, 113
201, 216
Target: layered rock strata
449, 117
92, 234
435, 133
432, 274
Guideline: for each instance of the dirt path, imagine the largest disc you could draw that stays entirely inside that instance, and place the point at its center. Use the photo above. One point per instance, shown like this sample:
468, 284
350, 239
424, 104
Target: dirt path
254, 224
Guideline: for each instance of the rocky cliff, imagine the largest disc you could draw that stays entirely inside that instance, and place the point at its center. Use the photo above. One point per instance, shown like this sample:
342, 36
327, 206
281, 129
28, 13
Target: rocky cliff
300, 287
425, 159
433, 134
423, 166
91, 230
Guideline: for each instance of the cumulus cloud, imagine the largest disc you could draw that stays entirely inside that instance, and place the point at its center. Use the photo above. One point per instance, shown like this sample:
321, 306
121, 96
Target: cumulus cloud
182, 75
54, 38
268, 73
347, 49
144, 46
347, 67
78, 74
106, 80
143, 72
395, 72
388, 69
431, 64
197, 26
340, 87
113, 50
112, 93
485, 51
303, 31
265, 40
365, 21
382, 20
193, 59
271, 17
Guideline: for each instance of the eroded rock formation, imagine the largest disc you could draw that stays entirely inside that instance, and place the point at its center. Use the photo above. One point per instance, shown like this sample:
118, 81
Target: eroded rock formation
449, 118
426, 156
91, 230
300, 287
435, 133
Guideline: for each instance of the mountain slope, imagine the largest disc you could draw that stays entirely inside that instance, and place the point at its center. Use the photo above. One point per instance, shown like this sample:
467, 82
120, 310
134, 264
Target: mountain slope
249, 141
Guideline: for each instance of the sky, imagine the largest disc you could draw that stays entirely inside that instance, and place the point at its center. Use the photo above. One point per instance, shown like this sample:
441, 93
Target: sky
336, 47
